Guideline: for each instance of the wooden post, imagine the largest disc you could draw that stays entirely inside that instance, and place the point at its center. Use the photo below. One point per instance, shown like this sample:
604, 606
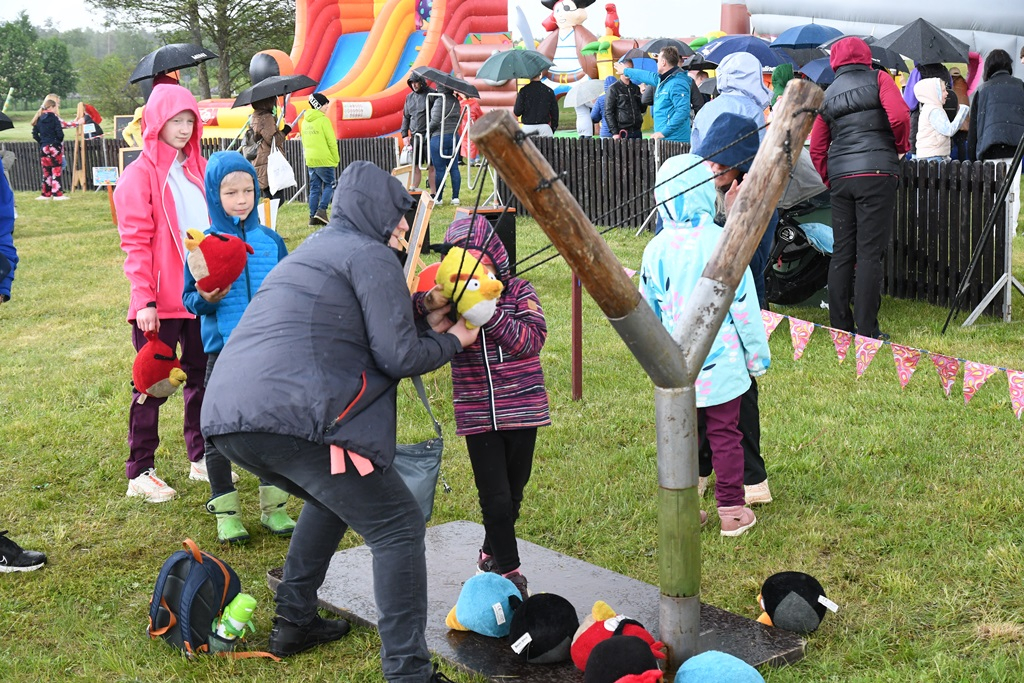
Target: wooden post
78, 173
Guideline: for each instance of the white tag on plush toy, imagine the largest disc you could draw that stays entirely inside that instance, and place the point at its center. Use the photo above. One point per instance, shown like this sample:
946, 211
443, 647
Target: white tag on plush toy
521, 644
499, 613
829, 605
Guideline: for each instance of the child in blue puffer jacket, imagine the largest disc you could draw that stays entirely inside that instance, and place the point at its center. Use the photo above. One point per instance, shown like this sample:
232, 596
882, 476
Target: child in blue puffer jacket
232, 193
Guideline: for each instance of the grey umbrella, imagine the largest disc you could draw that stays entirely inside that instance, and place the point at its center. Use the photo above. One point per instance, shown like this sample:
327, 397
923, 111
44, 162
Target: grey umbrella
274, 86
447, 80
508, 64
657, 44
5, 122
169, 58
925, 43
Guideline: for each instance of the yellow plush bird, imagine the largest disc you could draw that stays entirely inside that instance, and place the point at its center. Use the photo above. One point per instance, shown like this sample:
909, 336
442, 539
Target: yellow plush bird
470, 284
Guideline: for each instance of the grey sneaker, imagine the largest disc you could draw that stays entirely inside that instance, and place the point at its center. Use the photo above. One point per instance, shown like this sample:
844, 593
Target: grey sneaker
757, 494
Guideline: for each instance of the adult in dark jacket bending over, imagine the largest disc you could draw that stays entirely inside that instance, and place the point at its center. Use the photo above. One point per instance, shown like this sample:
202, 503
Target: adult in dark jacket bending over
306, 387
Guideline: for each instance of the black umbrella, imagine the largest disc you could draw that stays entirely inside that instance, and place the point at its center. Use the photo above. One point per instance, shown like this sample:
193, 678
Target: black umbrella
925, 43
697, 63
169, 58
5, 122
447, 80
709, 87
273, 86
635, 53
888, 59
657, 44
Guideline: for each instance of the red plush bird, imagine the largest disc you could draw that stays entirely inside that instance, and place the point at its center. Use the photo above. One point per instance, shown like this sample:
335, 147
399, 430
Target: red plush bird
611, 20
215, 260
156, 371
601, 624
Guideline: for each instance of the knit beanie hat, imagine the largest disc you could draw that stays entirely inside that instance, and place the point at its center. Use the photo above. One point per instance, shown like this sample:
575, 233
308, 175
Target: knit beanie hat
318, 100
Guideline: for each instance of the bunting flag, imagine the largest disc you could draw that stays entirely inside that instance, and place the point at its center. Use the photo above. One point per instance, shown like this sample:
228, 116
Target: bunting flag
771, 321
1016, 379
865, 348
906, 360
948, 367
800, 332
975, 374
841, 339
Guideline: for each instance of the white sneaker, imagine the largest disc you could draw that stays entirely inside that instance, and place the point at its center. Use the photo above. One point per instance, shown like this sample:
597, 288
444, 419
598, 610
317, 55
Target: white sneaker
197, 472
757, 494
455, 202
150, 488
61, 198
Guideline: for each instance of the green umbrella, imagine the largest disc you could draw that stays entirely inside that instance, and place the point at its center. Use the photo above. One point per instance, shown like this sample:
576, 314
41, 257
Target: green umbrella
508, 64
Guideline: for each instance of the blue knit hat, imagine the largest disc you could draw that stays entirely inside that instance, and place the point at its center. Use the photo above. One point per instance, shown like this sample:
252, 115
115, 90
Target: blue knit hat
725, 130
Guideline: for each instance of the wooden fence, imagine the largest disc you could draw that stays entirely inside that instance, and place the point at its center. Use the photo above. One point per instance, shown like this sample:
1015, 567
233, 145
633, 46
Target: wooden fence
941, 207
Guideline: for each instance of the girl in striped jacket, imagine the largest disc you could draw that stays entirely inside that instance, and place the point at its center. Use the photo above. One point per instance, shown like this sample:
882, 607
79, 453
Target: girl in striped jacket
500, 399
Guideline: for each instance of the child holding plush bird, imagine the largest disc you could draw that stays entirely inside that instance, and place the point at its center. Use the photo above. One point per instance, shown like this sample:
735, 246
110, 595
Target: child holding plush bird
224, 269
499, 394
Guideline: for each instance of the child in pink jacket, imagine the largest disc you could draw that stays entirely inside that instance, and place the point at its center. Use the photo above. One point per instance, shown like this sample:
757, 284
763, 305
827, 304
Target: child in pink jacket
158, 197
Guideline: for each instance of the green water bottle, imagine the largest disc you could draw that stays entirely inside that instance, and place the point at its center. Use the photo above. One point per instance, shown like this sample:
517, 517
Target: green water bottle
237, 616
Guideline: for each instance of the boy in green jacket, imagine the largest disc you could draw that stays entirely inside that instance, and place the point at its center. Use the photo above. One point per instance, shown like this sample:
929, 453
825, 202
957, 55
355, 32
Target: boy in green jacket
320, 146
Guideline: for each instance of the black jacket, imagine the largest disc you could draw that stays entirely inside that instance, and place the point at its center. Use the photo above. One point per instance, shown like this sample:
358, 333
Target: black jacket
622, 107
48, 130
997, 118
536, 104
862, 137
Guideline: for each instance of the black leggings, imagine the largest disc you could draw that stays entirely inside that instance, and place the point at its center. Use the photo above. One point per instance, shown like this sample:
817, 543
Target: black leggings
502, 462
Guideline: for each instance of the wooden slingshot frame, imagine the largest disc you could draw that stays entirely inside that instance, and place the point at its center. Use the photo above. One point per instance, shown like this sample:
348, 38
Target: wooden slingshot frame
414, 265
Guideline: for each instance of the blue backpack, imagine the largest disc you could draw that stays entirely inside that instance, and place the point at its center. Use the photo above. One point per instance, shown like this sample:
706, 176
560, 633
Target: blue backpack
190, 593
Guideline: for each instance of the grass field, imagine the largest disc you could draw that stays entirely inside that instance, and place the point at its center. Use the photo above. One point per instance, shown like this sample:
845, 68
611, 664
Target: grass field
905, 504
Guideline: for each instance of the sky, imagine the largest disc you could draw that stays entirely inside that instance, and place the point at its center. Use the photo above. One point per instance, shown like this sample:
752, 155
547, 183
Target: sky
640, 19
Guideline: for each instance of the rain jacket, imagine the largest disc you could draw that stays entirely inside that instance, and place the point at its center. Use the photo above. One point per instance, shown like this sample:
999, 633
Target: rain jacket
219, 319
7, 249
264, 125
672, 102
444, 114
934, 128
741, 90
414, 113
674, 261
146, 220
320, 351
48, 130
997, 118
497, 382
319, 143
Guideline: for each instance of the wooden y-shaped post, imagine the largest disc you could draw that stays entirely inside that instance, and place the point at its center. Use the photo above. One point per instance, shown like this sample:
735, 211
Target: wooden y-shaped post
672, 364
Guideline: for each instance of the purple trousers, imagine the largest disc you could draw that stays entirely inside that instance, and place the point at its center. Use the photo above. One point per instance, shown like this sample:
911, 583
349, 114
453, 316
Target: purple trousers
726, 441
144, 418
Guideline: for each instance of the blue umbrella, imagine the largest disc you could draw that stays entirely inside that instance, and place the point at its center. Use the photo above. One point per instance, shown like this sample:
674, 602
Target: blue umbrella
819, 71
807, 35
719, 48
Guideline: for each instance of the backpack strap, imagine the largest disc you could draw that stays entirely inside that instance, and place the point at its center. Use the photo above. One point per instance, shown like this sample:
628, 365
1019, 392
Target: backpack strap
193, 550
197, 576
158, 591
154, 633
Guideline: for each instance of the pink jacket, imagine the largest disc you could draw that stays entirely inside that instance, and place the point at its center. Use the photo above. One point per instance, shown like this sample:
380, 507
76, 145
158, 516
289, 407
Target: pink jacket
146, 220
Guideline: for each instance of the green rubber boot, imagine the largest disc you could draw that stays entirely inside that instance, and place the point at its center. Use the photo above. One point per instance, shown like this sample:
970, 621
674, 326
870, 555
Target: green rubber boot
229, 526
274, 516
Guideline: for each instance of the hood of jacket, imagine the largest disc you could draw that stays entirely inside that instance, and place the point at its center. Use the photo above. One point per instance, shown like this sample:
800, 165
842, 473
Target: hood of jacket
477, 234
781, 77
740, 74
165, 103
847, 51
732, 141
313, 115
929, 91
684, 185
370, 200
219, 165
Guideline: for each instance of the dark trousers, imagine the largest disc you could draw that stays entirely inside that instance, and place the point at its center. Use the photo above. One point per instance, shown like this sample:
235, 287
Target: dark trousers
442, 147
218, 468
754, 471
721, 427
502, 462
378, 507
144, 418
862, 220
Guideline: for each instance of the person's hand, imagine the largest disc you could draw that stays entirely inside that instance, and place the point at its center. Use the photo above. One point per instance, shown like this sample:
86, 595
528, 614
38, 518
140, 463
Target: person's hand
147, 320
439, 321
405, 141
620, 68
435, 299
658, 136
465, 335
216, 295
730, 196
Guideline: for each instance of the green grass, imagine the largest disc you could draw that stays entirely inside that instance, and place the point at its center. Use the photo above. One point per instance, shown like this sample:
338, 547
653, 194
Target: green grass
905, 504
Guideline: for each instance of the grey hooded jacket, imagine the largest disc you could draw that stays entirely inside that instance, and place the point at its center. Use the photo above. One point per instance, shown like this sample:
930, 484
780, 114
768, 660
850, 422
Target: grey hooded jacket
330, 333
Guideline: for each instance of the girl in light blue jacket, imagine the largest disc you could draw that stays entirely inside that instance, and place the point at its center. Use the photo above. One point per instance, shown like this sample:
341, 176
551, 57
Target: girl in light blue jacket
672, 264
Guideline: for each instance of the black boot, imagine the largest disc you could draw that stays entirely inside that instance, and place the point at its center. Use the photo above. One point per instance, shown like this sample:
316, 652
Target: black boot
287, 639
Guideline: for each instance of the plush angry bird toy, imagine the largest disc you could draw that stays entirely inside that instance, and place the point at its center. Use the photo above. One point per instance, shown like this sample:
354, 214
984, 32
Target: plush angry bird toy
467, 282
215, 260
485, 606
601, 624
617, 657
794, 601
542, 628
156, 371
713, 666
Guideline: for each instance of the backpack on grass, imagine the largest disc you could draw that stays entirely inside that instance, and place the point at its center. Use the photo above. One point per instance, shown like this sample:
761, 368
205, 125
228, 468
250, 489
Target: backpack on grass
191, 592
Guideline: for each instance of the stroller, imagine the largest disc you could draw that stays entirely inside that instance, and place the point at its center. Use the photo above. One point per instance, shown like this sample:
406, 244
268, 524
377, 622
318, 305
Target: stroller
797, 268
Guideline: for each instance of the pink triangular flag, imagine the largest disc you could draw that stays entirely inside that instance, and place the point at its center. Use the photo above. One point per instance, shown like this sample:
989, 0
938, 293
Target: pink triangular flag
975, 374
629, 271
1016, 379
841, 339
865, 348
906, 360
771, 321
800, 332
948, 367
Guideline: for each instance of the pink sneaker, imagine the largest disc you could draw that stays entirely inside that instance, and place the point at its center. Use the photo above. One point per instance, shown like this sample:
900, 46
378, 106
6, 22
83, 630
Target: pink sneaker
736, 519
